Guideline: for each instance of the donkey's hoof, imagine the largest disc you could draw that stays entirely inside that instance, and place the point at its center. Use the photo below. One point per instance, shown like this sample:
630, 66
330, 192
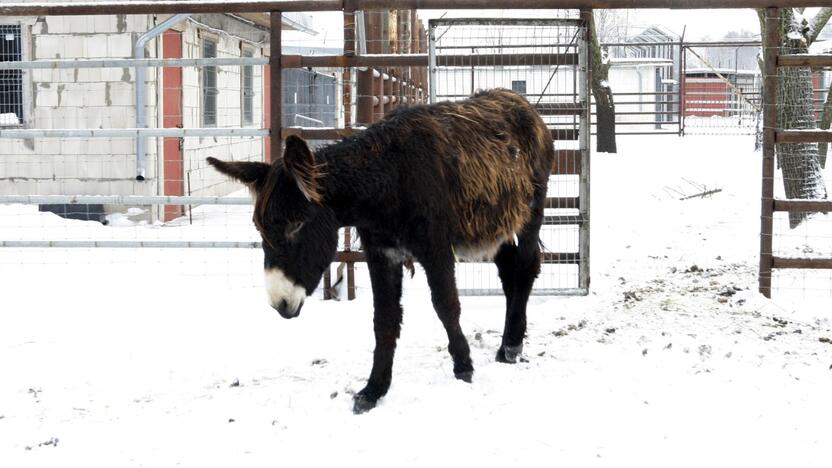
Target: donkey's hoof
362, 404
465, 376
509, 354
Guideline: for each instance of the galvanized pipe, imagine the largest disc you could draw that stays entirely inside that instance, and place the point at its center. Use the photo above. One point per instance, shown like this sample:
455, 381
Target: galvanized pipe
131, 63
131, 132
120, 200
141, 118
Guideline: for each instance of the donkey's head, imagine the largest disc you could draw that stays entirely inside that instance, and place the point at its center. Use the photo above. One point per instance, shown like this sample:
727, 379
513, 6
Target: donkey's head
300, 233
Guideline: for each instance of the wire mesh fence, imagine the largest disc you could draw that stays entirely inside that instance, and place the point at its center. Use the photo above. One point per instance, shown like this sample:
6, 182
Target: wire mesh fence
795, 257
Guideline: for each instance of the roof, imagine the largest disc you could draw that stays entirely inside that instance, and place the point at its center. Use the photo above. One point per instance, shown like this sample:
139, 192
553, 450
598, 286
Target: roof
723, 71
291, 21
654, 33
640, 61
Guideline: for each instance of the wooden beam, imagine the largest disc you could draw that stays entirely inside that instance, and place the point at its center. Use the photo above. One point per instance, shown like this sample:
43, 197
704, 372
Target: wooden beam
814, 61
802, 263
141, 7
803, 206
803, 136
771, 83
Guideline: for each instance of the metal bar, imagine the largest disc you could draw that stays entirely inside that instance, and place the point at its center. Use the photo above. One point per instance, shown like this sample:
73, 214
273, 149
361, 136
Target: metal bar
803, 136
121, 200
771, 83
506, 22
814, 61
687, 44
432, 64
585, 85
327, 133
129, 244
260, 6
560, 258
802, 263
359, 61
507, 60
567, 162
534, 292
559, 108
803, 206
276, 86
131, 132
563, 220
563, 203
132, 62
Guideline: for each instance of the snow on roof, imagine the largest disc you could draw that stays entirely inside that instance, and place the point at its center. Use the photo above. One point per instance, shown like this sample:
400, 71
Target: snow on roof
636, 61
724, 71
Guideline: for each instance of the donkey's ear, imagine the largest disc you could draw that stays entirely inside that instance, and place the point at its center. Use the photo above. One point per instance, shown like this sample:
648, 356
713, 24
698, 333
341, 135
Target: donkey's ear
252, 174
299, 163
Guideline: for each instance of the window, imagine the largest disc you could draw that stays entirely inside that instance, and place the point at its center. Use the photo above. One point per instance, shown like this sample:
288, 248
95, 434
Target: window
209, 85
11, 81
248, 90
519, 86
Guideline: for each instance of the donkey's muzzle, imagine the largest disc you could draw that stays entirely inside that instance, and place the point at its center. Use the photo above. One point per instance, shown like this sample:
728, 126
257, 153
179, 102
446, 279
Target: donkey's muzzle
286, 311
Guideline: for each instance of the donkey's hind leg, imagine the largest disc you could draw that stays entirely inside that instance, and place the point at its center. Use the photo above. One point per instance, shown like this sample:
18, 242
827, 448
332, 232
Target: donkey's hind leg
518, 277
439, 269
386, 279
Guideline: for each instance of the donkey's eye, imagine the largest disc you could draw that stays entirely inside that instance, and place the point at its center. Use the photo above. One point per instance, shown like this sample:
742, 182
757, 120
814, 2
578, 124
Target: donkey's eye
293, 228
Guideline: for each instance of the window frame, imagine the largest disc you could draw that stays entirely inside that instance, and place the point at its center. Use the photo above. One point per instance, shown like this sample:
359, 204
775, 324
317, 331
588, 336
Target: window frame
247, 118
205, 119
524, 86
26, 106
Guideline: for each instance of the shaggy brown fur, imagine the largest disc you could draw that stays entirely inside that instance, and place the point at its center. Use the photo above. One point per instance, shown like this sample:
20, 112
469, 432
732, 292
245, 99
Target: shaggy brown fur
495, 165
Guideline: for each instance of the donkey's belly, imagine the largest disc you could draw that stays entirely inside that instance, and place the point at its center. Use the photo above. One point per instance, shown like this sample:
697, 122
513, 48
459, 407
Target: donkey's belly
478, 252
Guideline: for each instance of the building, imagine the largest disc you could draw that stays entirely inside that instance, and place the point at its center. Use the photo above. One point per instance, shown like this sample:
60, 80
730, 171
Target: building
93, 98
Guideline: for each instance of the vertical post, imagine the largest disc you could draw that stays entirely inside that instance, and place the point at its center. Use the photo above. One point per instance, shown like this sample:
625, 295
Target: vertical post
432, 62
349, 49
364, 78
584, 84
276, 84
679, 85
770, 86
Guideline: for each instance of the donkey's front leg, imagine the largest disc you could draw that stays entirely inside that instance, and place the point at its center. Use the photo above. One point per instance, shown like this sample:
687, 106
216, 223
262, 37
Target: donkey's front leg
439, 269
386, 279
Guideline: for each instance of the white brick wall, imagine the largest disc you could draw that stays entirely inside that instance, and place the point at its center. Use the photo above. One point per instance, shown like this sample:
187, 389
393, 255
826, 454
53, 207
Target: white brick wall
104, 98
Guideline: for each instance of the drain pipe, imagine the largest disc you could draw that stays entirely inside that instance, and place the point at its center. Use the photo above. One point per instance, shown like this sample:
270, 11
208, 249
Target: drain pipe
141, 118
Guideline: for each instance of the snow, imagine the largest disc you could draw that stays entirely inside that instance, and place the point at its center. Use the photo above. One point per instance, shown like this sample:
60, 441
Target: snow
9, 119
162, 358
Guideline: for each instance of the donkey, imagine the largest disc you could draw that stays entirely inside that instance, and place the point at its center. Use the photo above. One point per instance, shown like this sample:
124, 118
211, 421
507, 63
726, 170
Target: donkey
431, 183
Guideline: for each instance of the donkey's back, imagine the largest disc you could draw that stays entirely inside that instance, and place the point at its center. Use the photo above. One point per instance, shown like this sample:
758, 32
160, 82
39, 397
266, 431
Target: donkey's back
492, 154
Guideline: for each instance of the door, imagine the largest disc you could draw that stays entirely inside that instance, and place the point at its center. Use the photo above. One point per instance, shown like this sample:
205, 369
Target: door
174, 182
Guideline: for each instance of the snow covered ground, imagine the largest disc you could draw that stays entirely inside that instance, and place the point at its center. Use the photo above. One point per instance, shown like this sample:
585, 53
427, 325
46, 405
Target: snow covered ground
152, 358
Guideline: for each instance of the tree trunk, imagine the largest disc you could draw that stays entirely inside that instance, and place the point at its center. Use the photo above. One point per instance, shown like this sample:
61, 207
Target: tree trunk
604, 102
800, 162
825, 123
605, 118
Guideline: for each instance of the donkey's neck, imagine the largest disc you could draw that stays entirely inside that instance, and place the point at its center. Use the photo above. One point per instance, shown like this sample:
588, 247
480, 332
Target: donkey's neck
356, 179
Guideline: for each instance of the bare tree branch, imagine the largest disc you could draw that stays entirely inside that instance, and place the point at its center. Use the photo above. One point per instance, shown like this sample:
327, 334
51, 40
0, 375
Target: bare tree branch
818, 23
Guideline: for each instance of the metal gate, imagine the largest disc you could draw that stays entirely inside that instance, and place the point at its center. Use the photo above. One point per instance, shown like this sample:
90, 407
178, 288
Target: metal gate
547, 61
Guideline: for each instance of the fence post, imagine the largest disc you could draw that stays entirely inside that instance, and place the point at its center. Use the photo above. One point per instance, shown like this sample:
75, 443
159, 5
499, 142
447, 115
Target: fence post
276, 86
680, 104
770, 85
585, 86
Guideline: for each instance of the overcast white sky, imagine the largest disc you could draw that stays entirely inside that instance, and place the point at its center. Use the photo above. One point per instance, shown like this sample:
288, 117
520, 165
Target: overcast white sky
700, 23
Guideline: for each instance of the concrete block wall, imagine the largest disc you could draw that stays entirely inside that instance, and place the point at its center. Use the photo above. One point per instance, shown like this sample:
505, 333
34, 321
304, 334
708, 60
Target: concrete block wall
205, 181
104, 98
79, 98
